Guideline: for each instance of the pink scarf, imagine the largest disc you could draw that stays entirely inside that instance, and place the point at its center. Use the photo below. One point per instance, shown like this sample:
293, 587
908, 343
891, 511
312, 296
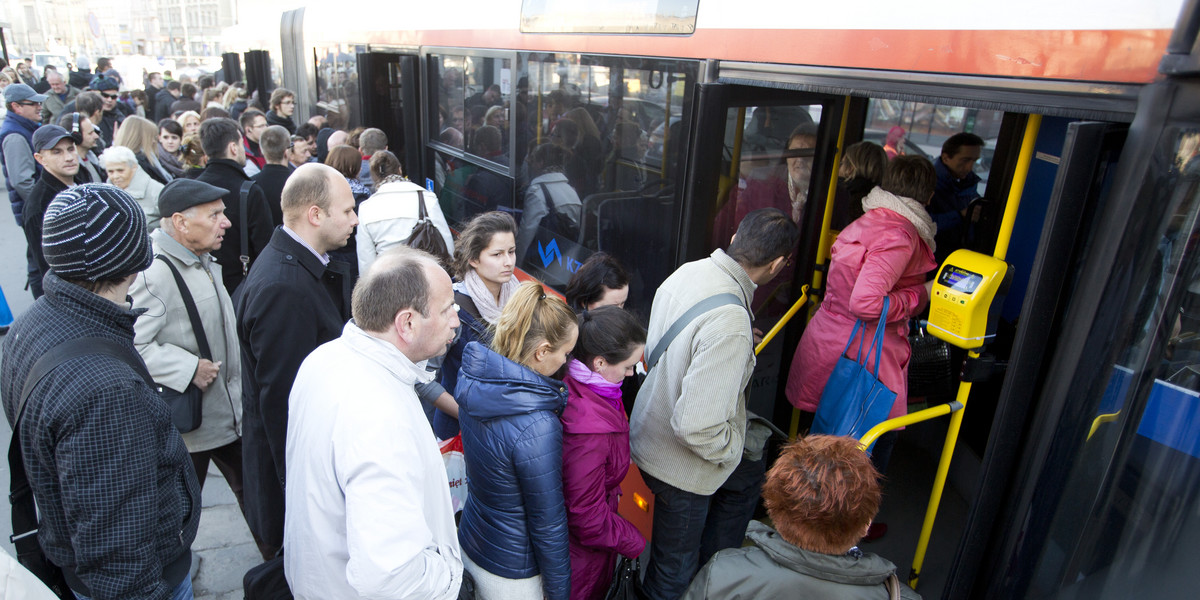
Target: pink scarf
603, 387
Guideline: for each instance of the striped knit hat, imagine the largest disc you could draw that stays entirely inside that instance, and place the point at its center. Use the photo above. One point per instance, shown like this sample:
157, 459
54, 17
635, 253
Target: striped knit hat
95, 232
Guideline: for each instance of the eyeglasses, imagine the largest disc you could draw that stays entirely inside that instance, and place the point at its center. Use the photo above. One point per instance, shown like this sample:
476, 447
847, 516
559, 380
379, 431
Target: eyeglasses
110, 96
29, 103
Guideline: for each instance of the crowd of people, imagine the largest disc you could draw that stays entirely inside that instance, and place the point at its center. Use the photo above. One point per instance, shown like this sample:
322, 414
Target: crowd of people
275, 314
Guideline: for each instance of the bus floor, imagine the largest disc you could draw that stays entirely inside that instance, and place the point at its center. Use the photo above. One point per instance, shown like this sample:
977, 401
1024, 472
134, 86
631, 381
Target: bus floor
906, 496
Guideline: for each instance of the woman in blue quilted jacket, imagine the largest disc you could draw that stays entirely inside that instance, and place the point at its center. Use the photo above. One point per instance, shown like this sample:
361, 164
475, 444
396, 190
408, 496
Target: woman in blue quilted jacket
514, 525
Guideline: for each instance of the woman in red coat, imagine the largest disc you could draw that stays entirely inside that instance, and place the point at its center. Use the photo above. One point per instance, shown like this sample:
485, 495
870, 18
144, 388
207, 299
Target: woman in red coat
884, 253
595, 454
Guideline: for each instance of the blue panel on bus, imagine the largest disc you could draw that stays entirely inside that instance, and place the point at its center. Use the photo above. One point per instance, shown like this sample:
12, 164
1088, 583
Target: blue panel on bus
1172, 418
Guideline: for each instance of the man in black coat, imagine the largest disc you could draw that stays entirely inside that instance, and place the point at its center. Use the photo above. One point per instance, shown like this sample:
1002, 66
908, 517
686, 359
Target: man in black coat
164, 99
274, 143
154, 86
54, 150
293, 301
222, 142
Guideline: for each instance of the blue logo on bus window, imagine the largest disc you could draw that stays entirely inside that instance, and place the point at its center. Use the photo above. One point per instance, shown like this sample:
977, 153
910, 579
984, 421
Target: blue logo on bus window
550, 254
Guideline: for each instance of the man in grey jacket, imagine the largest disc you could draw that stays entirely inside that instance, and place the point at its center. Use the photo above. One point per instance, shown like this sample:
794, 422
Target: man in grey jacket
193, 225
689, 422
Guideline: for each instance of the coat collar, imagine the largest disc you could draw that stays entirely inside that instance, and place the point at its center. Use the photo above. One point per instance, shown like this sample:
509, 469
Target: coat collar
72, 299
226, 165
305, 257
735, 270
385, 355
589, 412
506, 388
171, 247
868, 569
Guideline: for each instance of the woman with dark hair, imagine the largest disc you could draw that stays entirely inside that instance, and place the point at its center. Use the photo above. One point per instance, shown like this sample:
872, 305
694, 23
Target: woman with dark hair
170, 140
387, 218
821, 495
599, 281
860, 172
514, 525
595, 454
884, 254
484, 261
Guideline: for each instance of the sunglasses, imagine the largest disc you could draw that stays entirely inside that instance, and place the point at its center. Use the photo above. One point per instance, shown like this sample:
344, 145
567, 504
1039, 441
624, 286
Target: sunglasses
111, 96
29, 103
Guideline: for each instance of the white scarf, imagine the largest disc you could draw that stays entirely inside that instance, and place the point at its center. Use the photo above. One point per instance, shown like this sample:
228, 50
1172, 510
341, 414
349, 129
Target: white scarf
489, 309
906, 207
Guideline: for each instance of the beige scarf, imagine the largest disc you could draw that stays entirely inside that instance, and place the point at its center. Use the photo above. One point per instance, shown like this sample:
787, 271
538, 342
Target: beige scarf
489, 309
906, 207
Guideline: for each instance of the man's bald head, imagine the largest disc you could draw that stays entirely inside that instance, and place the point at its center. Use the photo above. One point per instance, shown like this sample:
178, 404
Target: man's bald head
309, 185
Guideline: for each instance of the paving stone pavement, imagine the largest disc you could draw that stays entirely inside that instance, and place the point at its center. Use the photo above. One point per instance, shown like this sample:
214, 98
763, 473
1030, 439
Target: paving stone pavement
223, 543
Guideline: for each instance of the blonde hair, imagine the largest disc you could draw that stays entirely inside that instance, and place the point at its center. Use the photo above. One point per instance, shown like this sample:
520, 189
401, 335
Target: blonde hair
530, 318
139, 135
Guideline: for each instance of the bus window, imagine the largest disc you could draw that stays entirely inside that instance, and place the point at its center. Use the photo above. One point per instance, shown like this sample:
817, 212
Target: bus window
604, 138
488, 82
337, 84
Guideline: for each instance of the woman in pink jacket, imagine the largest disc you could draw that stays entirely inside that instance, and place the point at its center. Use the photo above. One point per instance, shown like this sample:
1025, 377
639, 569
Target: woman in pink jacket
595, 454
884, 253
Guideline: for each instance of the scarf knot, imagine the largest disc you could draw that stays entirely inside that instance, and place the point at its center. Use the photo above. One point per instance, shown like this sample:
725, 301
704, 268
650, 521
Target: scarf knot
908, 208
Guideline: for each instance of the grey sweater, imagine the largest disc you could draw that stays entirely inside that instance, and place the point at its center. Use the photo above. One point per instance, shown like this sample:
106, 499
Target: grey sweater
689, 421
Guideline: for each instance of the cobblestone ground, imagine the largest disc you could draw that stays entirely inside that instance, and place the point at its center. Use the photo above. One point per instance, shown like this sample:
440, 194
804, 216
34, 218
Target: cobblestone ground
224, 544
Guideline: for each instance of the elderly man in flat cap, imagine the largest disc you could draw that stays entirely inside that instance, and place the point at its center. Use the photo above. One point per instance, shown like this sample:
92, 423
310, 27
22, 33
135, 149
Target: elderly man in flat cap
116, 493
188, 334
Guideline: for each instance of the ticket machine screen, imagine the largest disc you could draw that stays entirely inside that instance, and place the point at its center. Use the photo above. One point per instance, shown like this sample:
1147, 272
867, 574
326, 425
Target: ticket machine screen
959, 280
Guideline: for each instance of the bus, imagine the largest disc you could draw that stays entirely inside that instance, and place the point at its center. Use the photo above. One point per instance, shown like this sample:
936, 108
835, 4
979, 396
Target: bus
1078, 471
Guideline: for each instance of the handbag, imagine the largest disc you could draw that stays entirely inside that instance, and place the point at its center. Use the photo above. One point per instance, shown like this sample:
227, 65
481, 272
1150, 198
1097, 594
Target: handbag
929, 368
627, 582
267, 581
425, 235
25, 522
456, 471
187, 407
854, 400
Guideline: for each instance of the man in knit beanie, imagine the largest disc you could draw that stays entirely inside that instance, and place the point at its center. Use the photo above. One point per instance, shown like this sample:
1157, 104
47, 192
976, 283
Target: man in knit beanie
115, 489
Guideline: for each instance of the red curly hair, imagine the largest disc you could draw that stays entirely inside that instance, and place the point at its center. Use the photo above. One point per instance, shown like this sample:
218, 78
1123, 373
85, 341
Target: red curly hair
822, 493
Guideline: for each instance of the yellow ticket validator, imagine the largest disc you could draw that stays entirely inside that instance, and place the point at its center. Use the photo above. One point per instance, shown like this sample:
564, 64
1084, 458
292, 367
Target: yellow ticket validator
966, 299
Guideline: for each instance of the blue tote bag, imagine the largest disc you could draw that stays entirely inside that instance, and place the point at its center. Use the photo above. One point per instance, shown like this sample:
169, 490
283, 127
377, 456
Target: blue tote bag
854, 399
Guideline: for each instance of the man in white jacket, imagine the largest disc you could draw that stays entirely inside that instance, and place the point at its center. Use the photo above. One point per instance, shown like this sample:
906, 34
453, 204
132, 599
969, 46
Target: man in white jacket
369, 510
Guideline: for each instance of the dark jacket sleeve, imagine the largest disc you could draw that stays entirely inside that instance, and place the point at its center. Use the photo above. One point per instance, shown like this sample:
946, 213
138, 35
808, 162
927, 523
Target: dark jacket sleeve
282, 332
537, 459
260, 223
106, 460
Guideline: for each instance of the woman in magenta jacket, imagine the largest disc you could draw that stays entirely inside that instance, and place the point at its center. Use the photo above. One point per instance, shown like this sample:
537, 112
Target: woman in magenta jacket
596, 448
884, 253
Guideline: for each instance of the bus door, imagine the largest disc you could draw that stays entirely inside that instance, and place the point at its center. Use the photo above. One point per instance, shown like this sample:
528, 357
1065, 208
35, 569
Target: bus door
389, 102
763, 148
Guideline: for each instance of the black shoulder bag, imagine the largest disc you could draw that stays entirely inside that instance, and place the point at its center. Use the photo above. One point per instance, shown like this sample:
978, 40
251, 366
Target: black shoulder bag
243, 204
556, 221
186, 406
24, 509
425, 235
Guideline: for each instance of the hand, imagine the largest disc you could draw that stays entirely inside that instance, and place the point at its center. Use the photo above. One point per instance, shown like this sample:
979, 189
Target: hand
758, 336
929, 288
206, 373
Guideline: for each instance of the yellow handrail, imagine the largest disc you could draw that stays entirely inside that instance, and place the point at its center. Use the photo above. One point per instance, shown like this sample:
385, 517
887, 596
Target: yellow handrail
830, 199
1024, 160
1100, 420
783, 320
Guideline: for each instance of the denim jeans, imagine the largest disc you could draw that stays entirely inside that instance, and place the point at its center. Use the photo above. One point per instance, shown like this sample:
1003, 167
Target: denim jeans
689, 528
182, 592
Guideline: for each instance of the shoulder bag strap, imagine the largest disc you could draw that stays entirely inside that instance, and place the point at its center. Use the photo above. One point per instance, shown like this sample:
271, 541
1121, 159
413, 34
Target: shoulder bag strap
190, 305
685, 319
877, 345
893, 586
551, 209
243, 203
422, 214
24, 509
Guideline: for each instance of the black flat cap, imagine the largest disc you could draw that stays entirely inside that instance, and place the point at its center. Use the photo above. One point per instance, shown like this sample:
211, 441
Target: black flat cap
182, 194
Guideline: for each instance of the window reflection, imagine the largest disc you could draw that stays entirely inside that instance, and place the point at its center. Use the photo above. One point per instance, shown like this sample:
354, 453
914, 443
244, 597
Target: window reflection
337, 84
598, 137
1130, 509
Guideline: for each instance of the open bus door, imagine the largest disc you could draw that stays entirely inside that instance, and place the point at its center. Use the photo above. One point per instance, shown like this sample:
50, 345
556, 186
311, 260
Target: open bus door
390, 102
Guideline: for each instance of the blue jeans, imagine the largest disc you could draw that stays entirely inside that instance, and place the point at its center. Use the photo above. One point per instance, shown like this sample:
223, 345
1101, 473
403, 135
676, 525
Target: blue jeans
689, 528
182, 592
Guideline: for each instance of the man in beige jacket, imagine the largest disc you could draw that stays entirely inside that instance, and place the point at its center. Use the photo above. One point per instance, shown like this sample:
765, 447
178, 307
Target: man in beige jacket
193, 225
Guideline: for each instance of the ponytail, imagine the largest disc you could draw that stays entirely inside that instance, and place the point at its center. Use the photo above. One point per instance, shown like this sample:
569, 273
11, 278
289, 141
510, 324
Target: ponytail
608, 332
529, 318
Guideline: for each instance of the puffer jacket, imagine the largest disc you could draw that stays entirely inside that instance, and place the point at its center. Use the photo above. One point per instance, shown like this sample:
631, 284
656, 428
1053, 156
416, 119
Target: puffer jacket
773, 568
515, 522
473, 328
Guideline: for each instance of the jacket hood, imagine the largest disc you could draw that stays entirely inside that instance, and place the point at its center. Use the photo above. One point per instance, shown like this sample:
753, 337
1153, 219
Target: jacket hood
589, 412
869, 569
503, 388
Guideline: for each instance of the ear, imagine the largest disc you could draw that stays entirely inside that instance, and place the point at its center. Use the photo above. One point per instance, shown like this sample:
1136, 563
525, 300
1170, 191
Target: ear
403, 322
777, 265
38, 157
179, 222
543, 350
598, 363
313, 215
